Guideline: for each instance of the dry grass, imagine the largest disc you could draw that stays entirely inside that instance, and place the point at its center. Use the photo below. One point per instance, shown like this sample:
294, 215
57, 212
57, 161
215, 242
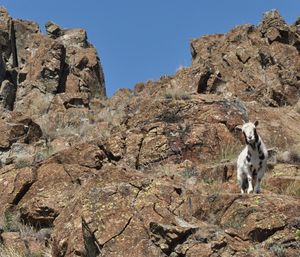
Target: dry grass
10, 252
6, 251
11, 223
297, 107
228, 152
78, 126
177, 94
293, 189
280, 139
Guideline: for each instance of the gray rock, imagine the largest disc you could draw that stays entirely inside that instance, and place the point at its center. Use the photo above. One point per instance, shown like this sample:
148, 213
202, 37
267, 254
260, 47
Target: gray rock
7, 94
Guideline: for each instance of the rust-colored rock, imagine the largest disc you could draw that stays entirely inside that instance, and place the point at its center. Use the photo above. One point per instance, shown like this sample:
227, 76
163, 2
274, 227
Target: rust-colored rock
247, 65
18, 128
24, 31
150, 171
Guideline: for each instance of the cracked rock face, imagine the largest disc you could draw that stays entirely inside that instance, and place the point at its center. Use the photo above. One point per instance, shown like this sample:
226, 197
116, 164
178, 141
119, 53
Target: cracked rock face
252, 62
122, 212
255, 63
32, 60
150, 171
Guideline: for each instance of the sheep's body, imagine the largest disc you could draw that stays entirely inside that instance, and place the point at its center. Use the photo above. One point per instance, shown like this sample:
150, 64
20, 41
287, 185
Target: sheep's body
252, 161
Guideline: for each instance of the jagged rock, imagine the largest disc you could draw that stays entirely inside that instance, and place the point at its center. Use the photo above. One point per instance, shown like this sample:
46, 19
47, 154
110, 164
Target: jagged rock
151, 171
60, 175
248, 66
64, 101
174, 131
6, 37
285, 179
14, 185
121, 207
118, 195
2, 69
74, 38
274, 27
32, 102
45, 64
52, 29
42, 66
84, 72
18, 128
24, 33
7, 95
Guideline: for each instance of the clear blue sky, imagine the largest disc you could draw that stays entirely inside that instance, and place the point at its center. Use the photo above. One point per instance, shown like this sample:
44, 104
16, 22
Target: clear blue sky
139, 40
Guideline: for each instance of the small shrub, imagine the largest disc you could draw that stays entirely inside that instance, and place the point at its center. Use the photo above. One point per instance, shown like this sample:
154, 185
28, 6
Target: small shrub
280, 142
42, 155
293, 189
208, 181
10, 222
228, 151
170, 116
79, 126
10, 252
278, 250
297, 234
233, 224
6, 251
22, 163
165, 170
189, 172
26, 230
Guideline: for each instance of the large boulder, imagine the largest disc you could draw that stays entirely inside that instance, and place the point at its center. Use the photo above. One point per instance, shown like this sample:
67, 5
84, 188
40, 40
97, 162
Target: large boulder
61, 175
16, 128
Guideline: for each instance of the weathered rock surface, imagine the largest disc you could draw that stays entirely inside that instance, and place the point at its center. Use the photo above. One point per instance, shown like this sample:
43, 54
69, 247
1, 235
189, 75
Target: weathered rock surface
7, 95
151, 171
122, 212
251, 62
254, 63
15, 127
40, 66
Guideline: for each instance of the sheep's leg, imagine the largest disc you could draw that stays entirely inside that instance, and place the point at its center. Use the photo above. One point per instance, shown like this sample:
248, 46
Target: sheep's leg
260, 174
250, 186
242, 180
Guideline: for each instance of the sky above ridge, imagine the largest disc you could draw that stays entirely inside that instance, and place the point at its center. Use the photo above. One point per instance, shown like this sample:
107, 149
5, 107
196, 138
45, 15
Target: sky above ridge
139, 40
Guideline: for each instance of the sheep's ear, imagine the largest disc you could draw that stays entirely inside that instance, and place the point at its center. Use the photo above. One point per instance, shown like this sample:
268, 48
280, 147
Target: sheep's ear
238, 128
256, 123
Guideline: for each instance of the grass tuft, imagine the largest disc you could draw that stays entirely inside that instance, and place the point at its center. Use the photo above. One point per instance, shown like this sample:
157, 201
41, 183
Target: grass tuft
177, 94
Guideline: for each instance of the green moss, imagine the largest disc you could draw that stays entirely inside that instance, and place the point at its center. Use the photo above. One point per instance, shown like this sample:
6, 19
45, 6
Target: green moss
297, 234
10, 222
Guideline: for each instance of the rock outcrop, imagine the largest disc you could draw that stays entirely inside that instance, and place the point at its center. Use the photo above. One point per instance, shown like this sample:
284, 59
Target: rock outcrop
254, 63
39, 66
150, 171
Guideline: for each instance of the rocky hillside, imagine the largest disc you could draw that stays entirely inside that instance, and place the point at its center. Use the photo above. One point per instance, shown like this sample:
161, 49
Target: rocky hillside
150, 171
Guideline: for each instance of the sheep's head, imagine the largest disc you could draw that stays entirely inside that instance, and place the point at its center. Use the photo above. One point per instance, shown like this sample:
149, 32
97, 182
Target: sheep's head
249, 131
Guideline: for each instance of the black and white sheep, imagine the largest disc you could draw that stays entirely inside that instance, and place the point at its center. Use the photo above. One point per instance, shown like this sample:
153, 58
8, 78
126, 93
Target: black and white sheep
252, 161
